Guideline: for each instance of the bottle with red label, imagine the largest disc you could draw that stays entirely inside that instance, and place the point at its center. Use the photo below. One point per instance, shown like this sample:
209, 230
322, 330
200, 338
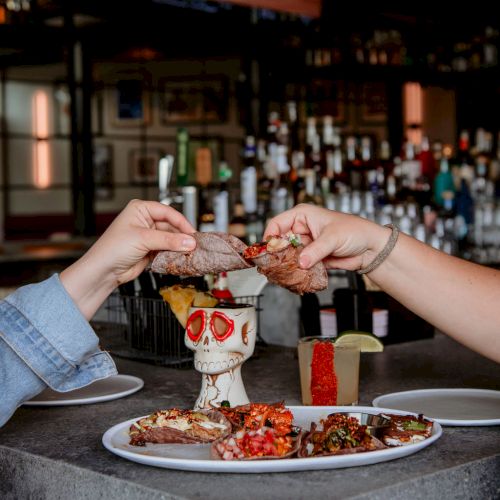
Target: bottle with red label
221, 290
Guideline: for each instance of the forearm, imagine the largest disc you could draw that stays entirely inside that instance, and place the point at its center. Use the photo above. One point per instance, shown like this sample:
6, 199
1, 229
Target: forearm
458, 297
88, 284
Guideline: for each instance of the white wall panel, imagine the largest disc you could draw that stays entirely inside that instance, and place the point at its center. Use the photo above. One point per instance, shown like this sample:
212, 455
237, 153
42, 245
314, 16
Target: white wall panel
21, 161
18, 107
39, 202
121, 197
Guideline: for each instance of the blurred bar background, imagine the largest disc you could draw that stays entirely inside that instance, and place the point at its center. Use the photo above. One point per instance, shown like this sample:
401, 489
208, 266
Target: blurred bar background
389, 112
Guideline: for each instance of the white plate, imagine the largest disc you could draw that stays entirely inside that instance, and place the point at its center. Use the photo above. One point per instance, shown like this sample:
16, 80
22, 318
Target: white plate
197, 457
460, 407
114, 387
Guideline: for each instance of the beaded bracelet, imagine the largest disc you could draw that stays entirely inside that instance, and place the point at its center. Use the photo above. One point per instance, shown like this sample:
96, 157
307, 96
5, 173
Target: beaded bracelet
385, 251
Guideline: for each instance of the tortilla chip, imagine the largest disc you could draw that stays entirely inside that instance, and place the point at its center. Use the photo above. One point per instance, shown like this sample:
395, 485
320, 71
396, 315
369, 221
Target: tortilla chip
180, 298
204, 299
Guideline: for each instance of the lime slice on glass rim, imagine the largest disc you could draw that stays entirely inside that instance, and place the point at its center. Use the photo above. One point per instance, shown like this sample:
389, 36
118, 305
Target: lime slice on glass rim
367, 342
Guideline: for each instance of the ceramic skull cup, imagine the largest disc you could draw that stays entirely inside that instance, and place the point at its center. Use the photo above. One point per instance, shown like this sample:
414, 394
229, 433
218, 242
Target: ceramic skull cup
222, 338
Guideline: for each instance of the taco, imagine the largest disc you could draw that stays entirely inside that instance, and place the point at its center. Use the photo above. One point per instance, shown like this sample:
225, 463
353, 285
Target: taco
214, 253
338, 434
278, 260
260, 444
179, 426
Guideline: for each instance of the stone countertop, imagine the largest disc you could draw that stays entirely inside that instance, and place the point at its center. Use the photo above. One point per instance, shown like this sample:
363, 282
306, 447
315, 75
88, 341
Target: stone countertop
56, 452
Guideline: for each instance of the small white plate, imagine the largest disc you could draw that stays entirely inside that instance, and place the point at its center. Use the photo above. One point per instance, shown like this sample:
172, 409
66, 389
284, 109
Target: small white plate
458, 407
114, 387
196, 457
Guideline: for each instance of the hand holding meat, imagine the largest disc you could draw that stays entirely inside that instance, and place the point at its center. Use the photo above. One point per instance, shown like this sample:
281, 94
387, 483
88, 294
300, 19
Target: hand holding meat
341, 241
123, 251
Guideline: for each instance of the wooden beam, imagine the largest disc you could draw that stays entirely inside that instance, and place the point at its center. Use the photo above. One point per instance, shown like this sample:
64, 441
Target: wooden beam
310, 8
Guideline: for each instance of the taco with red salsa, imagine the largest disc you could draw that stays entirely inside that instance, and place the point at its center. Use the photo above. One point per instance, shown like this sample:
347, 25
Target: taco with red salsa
278, 260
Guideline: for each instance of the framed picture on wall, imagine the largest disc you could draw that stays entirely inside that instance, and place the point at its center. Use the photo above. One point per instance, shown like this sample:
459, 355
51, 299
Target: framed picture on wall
103, 172
130, 103
144, 165
372, 103
194, 100
324, 98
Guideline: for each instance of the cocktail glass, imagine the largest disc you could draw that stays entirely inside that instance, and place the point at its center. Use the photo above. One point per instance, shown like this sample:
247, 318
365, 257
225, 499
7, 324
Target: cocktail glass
329, 373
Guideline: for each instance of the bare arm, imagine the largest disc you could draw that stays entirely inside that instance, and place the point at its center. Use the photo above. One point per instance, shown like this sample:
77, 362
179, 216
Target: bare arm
460, 298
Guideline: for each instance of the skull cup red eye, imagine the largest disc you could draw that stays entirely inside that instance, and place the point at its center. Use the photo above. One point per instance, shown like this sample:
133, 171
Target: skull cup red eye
196, 325
222, 327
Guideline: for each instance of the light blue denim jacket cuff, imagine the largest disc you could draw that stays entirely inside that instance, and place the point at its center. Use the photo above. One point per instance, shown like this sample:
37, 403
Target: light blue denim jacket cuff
45, 328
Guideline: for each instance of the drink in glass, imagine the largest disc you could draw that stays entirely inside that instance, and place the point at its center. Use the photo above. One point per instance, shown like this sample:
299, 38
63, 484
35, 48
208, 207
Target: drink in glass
329, 373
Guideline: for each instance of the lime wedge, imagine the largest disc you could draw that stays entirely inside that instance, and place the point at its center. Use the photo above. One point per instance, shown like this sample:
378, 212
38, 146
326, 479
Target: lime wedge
367, 342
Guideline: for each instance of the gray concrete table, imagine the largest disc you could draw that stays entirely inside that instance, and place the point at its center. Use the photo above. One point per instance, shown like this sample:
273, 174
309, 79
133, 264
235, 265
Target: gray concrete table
57, 453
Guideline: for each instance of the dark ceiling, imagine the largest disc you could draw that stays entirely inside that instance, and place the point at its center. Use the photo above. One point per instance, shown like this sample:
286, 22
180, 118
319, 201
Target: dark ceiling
111, 28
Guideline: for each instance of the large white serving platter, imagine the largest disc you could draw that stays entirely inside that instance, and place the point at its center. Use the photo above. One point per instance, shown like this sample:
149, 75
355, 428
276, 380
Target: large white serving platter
107, 389
197, 457
454, 407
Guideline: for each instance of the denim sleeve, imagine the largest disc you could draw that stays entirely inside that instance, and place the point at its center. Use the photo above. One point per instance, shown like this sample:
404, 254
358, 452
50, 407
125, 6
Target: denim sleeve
45, 341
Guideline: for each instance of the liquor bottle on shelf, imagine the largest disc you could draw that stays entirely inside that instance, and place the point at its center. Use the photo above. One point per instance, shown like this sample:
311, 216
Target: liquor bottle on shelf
391, 188
384, 152
206, 217
310, 192
297, 168
221, 199
366, 150
464, 206
427, 161
190, 204
182, 154
480, 185
294, 128
340, 175
463, 152
254, 228
221, 211
350, 148
238, 223
443, 183
264, 180
328, 146
353, 163
203, 166
411, 167
490, 48
248, 179
313, 160
273, 125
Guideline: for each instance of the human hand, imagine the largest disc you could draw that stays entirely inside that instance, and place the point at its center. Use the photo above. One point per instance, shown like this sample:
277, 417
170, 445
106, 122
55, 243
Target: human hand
341, 240
122, 252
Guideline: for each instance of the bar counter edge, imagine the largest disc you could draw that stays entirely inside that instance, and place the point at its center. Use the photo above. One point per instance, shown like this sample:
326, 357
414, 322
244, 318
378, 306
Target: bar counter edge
56, 452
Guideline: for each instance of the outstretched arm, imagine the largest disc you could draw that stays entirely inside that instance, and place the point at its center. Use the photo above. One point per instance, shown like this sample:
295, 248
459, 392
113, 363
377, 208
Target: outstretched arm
460, 298
45, 337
